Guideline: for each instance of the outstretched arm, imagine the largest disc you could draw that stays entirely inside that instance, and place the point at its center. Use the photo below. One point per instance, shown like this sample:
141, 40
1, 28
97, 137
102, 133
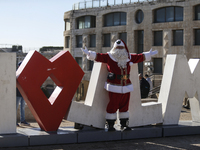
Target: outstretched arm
145, 56
91, 55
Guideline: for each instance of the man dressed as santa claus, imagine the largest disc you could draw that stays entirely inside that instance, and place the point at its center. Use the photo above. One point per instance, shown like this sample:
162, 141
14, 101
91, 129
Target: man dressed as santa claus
118, 84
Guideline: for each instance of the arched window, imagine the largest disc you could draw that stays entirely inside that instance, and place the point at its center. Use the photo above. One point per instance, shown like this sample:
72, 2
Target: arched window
197, 12
115, 19
168, 14
86, 22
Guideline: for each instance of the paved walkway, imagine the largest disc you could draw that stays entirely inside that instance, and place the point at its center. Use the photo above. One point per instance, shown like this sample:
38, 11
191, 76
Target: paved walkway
168, 143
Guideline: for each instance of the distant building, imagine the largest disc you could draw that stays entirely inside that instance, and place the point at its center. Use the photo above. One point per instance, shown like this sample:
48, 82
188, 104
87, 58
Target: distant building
170, 26
11, 48
50, 49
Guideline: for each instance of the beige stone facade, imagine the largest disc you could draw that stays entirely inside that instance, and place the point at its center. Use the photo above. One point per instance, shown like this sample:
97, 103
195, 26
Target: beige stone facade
148, 25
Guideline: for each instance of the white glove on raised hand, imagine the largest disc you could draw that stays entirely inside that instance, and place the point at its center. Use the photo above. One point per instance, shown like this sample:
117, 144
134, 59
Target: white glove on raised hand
85, 51
153, 52
149, 54
91, 55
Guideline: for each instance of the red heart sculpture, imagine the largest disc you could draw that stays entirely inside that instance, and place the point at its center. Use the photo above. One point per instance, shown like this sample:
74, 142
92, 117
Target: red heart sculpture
66, 74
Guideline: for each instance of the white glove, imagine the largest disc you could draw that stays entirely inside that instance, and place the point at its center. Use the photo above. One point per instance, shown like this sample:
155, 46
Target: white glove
85, 51
153, 52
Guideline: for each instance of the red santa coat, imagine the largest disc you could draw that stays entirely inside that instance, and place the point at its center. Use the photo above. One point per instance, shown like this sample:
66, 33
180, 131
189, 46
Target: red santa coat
121, 83
119, 88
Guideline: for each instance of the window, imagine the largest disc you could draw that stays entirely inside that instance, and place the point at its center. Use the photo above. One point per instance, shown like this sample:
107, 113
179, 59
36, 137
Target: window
91, 63
160, 15
178, 14
197, 12
123, 36
140, 44
67, 39
177, 37
197, 36
168, 14
92, 40
158, 38
123, 18
79, 61
139, 16
140, 47
115, 19
86, 22
81, 23
79, 41
157, 65
108, 20
67, 24
106, 40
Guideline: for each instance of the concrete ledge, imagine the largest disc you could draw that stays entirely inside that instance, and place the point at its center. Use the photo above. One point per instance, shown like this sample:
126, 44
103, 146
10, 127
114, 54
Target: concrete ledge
38, 137
13, 140
96, 135
142, 132
65, 135
183, 128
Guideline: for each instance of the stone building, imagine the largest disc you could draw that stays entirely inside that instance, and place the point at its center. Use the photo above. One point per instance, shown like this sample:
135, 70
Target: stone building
169, 26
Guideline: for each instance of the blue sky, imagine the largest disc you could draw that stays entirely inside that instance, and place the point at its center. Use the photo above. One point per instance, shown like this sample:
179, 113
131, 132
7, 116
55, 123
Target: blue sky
33, 23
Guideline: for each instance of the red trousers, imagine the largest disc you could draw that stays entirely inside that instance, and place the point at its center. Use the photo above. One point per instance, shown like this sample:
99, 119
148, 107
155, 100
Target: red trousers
118, 101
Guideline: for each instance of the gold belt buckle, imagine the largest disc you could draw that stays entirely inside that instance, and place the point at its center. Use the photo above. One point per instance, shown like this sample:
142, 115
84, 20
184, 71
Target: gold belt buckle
125, 77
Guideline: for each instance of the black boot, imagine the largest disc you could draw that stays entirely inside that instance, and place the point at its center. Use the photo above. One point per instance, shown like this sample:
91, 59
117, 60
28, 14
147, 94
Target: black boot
124, 124
110, 124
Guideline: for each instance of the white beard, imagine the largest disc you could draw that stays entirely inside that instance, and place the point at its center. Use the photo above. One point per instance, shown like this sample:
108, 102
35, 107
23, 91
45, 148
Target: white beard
121, 56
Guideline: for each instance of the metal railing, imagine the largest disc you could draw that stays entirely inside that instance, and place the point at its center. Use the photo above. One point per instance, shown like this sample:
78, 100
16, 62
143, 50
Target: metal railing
103, 3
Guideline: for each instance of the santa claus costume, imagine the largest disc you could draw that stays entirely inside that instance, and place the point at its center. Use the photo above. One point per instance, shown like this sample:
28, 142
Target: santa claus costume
118, 84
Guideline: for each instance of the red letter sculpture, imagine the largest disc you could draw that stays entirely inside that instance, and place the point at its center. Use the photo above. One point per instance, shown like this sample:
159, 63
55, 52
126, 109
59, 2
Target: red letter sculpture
32, 73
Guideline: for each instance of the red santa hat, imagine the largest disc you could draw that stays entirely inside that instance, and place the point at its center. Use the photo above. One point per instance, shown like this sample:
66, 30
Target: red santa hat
120, 42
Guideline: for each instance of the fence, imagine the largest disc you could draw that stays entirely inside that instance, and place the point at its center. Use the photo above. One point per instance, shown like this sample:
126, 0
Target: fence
103, 3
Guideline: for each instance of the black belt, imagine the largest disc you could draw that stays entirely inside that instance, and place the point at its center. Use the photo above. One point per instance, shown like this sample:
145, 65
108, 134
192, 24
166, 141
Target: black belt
112, 76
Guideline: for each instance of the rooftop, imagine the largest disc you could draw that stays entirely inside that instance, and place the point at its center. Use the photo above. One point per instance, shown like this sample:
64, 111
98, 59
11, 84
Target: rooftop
103, 3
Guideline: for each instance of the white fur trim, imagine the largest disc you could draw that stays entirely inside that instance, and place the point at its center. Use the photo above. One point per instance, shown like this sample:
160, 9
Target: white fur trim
110, 55
118, 89
130, 63
92, 55
147, 56
111, 116
123, 115
121, 44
